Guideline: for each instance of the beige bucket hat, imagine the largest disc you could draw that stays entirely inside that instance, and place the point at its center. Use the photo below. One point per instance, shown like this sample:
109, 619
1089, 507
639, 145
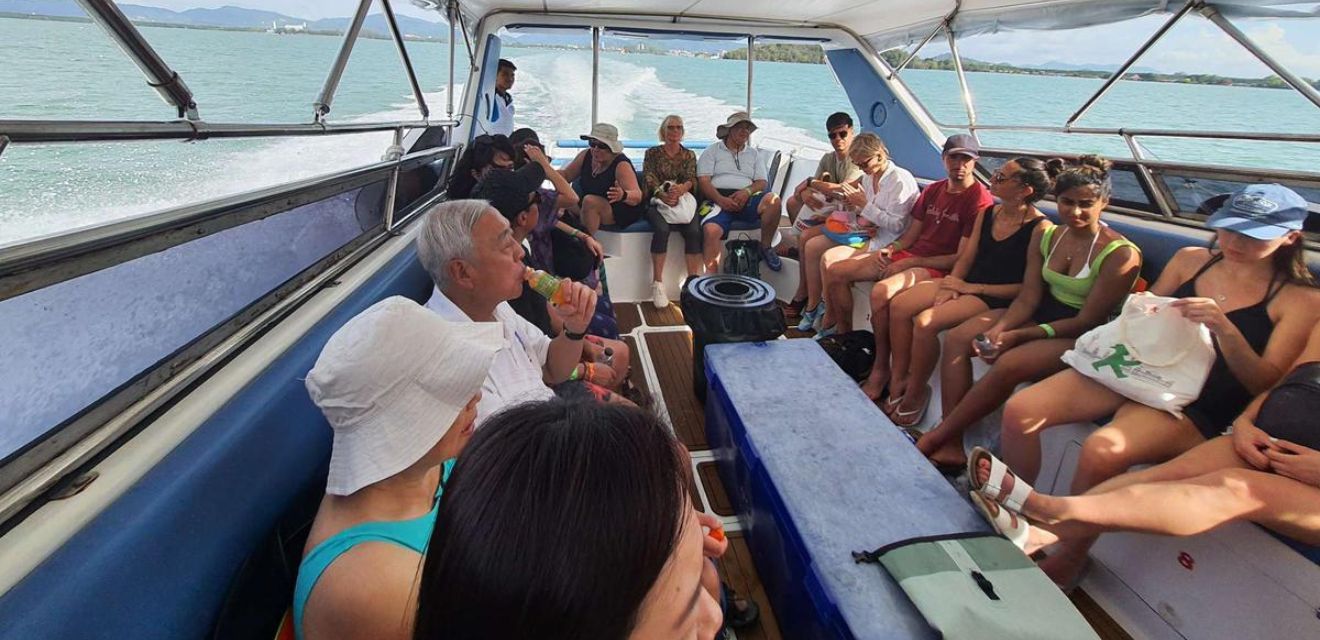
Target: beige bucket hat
391, 382
607, 133
722, 131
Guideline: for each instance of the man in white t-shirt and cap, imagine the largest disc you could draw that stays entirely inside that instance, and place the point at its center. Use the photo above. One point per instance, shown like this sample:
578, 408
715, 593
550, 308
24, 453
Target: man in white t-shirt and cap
732, 174
476, 264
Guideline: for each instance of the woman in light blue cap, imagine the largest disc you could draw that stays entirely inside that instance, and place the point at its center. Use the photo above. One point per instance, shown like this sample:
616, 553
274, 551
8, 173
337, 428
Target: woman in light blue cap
1251, 289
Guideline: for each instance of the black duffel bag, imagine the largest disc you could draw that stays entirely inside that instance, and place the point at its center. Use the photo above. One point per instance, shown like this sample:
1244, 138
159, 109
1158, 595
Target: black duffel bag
854, 352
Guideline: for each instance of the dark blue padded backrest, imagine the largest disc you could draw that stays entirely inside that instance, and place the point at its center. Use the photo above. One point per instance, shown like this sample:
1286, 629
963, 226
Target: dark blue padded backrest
159, 561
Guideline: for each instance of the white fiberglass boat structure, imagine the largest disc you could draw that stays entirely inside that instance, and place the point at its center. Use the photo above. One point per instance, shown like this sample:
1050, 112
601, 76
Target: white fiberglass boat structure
163, 459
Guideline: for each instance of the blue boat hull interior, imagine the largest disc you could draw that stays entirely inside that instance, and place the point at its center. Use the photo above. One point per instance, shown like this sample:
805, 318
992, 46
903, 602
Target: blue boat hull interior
162, 560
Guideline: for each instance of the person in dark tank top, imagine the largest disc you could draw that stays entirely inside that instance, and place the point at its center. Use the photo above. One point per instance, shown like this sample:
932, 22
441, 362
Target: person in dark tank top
607, 181
987, 276
1251, 288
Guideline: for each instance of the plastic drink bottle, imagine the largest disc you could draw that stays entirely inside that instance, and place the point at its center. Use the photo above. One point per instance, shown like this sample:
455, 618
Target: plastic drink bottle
984, 347
553, 288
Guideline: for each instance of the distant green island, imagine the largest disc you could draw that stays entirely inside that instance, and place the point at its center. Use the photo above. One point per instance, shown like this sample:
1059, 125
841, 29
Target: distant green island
813, 54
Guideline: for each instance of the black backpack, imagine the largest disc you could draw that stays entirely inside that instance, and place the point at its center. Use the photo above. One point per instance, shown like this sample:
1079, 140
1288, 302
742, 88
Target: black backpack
743, 258
854, 352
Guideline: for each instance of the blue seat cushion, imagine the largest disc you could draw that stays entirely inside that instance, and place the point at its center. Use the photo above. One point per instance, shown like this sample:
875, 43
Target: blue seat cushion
160, 561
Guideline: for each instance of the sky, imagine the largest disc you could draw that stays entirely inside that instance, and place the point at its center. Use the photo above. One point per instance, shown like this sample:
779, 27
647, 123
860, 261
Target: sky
1194, 46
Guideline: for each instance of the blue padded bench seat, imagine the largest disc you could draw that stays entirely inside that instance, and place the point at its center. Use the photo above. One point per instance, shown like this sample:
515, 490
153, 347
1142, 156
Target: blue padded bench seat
160, 560
818, 479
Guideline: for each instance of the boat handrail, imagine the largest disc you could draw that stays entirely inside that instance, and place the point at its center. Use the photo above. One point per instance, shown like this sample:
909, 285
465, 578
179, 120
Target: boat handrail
76, 131
38, 263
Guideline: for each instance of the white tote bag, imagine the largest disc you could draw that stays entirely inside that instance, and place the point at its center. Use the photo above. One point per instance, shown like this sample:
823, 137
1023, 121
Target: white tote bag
1150, 354
680, 213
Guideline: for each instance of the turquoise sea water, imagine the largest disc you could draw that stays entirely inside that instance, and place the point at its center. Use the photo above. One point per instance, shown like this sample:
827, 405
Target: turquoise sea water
72, 70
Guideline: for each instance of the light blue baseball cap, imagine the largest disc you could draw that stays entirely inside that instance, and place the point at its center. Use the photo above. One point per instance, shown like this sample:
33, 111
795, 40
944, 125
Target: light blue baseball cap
1261, 211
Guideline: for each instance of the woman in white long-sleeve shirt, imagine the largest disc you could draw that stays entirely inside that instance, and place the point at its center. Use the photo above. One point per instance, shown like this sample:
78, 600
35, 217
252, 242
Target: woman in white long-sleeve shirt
877, 207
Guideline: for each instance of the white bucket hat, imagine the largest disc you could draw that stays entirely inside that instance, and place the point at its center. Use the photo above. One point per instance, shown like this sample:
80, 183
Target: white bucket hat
391, 382
722, 131
607, 133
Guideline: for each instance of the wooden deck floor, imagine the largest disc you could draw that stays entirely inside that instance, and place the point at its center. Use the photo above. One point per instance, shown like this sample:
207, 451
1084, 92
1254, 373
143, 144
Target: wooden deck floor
671, 364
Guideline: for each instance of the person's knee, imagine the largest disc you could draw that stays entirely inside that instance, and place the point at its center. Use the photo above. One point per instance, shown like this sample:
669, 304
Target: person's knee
712, 232
1018, 412
1240, 483
923, 323
595, 202
1103, 457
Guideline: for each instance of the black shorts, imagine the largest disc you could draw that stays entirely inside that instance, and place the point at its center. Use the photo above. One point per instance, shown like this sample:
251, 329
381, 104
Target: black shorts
995, 303
1051, 310
626, 214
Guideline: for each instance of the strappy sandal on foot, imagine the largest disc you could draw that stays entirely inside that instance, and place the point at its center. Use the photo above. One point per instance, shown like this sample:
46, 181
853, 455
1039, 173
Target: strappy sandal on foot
890, 404
1005, 521
993, 488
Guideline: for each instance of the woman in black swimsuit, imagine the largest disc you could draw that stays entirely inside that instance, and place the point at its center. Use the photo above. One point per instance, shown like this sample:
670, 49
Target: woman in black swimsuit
987, 276
1267, 471
1251, 289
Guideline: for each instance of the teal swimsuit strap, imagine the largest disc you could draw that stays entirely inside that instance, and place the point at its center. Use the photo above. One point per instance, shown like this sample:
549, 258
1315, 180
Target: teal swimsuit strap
412, 534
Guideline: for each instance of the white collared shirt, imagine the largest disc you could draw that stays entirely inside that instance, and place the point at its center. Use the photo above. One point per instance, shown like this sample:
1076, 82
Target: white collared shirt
496, 114
729, 170
517, 372
889, 201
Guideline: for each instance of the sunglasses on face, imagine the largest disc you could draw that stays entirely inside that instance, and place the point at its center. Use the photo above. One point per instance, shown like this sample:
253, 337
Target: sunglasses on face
594, 144
999, 176
838, 135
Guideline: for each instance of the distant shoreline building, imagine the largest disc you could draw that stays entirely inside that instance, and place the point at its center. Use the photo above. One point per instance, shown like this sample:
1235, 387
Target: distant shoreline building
275, 27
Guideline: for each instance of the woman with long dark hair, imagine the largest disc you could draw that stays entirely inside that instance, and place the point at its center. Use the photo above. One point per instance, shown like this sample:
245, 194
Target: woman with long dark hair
485, 153
566, 520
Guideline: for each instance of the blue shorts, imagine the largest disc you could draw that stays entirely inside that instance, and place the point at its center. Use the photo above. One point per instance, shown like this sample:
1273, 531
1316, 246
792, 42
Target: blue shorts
725, 219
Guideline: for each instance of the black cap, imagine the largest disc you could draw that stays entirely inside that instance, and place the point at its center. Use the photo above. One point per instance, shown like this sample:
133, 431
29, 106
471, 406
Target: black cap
509, 191
962, 144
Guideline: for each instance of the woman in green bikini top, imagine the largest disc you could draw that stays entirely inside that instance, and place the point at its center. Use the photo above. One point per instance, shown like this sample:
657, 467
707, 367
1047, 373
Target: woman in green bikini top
1086, 270
399, 387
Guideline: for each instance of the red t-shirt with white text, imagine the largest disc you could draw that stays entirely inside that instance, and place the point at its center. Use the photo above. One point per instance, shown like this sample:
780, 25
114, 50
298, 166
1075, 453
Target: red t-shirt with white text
947, 217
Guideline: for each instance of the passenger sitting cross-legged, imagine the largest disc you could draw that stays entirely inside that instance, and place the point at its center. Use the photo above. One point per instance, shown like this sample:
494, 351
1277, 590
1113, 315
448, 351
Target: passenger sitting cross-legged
1080, 275
880, 202
942, 221
732, 174
399, 387
1255, 294
987, 276
816, 194
607, 181
1266, 471
485, 153
669, 171
564, 521
516, 195
468, 249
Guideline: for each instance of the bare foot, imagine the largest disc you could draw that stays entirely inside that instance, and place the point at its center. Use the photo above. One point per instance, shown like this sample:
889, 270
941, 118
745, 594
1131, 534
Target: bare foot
1065, 565
948, 454
875, 384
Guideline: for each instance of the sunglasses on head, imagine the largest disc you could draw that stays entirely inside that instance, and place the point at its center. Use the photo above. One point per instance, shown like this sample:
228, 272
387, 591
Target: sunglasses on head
838, 135
596, 144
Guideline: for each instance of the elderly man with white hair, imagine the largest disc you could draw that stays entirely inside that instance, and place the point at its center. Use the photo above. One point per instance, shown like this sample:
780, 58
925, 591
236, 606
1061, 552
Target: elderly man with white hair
476, 264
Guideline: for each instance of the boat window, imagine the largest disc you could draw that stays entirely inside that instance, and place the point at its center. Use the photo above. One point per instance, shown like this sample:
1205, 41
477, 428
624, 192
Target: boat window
58, 187
552, 92
66, 67
793, 93
84, 339
1190, 188
1129, 192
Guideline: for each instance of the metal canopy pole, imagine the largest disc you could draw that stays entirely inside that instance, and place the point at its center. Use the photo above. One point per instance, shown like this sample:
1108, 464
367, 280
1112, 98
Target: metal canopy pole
449, 93
159, 75
751, 54
1122, 70
322, 104
4, 142
1212, 14
913, 56
407, 63
595, 75
962, 81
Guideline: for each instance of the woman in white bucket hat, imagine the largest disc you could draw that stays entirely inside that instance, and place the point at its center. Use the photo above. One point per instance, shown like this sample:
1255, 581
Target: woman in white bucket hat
399, 386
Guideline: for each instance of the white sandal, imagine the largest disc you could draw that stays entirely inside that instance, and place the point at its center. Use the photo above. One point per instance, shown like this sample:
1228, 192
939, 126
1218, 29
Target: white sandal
1005, 522
994, 488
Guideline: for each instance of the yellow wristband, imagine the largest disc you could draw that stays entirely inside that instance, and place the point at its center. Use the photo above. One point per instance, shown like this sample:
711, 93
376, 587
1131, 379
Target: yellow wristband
1049, 331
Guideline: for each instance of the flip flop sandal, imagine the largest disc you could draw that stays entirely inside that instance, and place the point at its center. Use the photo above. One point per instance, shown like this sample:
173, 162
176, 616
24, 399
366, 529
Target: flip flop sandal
1005, 521
994, 487
910, 418
890, 404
